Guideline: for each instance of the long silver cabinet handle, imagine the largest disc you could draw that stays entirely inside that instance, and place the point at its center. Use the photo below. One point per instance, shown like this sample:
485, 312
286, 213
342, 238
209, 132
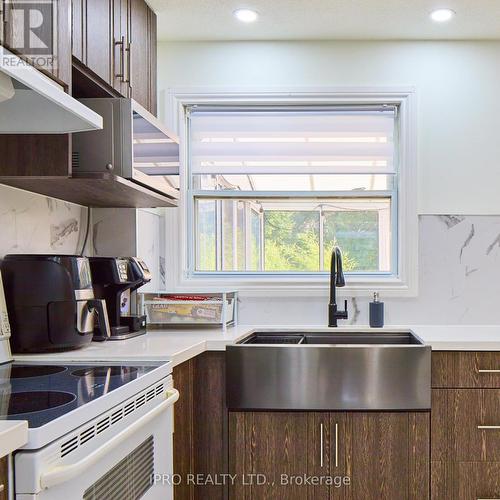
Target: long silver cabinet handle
489, 427
121, 74
483, 370
129, 64
336, 445
321, 445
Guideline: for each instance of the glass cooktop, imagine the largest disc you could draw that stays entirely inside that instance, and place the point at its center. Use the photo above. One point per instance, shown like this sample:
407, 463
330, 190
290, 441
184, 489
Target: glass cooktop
39, 393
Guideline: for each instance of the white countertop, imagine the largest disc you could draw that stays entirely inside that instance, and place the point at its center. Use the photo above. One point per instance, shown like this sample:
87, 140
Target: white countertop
13, 435
180, 345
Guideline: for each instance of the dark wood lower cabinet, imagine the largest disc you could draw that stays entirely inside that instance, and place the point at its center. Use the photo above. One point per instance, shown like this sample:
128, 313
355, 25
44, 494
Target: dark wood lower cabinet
4, 478
200, 427
465, 481
353, 455
267, 451
465, 439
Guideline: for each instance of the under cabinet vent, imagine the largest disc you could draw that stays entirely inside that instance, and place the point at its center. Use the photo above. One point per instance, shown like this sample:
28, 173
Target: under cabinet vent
110, 419
129, 479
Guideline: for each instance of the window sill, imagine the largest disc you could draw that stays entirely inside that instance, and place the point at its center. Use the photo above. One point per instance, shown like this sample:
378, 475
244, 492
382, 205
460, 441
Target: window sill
298, 286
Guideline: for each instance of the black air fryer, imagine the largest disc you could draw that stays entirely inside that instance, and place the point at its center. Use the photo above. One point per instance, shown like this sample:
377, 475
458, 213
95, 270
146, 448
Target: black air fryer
50, 302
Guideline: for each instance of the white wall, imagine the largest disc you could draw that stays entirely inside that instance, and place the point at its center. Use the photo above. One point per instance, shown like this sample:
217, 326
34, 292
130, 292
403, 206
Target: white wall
458, 98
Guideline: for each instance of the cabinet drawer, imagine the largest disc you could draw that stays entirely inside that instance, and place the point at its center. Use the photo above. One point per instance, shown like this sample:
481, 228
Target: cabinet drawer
465, 425
465, 369
478, 481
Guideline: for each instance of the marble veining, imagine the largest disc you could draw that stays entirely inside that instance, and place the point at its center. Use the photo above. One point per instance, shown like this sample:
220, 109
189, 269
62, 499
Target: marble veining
163, 273
32, 223
451, 220
355, 311
495, 243
59, 232
467, 241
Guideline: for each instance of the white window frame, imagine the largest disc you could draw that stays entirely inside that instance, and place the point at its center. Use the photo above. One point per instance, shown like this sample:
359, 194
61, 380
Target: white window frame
405, 283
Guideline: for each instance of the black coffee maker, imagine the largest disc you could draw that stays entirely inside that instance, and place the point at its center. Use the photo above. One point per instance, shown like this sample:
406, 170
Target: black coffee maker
112, 278
50, 301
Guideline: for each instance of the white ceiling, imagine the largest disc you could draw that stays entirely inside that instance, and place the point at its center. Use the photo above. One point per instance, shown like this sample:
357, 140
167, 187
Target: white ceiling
325, 19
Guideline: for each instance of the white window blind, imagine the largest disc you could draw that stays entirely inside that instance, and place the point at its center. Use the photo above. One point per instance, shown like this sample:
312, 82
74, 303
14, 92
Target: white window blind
328, 141
273, 189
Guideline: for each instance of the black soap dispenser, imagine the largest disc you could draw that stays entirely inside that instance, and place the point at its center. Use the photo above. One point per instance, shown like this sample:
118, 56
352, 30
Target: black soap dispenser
376, 312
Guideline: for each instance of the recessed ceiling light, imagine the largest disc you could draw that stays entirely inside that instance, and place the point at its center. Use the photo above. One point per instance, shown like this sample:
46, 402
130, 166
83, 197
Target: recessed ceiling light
246, 15
442, 15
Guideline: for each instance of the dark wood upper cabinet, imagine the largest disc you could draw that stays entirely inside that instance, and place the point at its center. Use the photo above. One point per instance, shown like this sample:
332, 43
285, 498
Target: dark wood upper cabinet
153, 66
99, 38
55, 35
115, 40
121, 47
140, 54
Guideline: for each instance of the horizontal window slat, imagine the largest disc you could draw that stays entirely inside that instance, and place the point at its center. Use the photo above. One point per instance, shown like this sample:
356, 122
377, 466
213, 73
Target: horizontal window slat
214, 195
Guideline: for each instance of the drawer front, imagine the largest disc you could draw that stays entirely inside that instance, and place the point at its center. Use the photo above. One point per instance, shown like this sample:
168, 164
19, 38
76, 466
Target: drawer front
465, 425
478, 481
466, 369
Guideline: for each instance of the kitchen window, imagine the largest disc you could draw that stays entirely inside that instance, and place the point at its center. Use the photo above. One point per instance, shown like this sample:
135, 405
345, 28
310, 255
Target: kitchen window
271, 189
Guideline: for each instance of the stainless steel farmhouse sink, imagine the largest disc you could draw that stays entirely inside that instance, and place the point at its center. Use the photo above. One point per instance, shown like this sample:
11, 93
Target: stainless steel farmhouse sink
329, 370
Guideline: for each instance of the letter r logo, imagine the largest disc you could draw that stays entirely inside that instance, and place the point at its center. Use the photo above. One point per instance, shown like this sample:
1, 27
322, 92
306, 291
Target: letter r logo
31, 26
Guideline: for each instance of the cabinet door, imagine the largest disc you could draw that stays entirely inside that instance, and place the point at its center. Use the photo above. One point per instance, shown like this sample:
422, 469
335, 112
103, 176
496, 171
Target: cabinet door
53, 36
466, 425
476, 481
266, 451
139, 52
4, 477
121, 17
387, 455
99, 38
153, 96
78, 26
184, 446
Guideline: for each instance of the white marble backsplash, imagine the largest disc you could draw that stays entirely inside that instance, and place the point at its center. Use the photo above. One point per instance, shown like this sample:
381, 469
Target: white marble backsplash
459, 282
31, 223
459, 262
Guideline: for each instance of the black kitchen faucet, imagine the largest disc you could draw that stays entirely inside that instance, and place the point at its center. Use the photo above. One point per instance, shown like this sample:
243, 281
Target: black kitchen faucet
336, 280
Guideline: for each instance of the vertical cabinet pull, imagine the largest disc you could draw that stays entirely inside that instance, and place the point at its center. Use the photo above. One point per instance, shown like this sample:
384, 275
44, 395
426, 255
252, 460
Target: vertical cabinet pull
321, 445
129, 64
336, 445
121, 73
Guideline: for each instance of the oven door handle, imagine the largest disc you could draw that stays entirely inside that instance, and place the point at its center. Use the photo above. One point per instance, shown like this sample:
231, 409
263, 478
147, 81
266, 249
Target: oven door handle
63, 473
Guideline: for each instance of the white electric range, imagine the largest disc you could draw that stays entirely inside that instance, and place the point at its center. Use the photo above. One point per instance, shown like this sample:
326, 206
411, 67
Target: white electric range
96, 431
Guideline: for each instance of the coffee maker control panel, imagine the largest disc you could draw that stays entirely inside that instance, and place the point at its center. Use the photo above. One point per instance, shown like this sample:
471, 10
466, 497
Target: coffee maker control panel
122, 268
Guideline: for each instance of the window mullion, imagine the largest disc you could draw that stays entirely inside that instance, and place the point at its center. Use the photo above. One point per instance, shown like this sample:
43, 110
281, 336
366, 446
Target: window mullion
321, 239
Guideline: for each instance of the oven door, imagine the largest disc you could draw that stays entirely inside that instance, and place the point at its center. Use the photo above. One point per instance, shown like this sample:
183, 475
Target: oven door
155, 153
124, 466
